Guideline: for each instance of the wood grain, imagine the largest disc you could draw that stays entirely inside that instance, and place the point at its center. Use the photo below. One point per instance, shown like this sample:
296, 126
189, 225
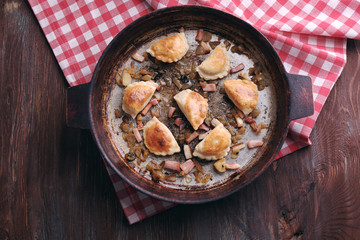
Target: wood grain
53, 183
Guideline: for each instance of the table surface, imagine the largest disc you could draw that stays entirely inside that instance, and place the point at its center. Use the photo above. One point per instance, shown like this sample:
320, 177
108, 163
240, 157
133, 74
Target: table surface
53, 183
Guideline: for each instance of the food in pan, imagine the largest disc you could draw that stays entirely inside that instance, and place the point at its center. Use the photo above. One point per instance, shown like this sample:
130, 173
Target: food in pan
136, 96
215, 145
193, 105
216, 65
170, 49
184, 121
158, 138
243, 93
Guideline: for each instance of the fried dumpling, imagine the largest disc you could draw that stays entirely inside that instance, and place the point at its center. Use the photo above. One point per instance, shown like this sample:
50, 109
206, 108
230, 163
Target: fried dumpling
215, 145
193, 105
136, 96
158, 138
170, 49
243, 93
216, 65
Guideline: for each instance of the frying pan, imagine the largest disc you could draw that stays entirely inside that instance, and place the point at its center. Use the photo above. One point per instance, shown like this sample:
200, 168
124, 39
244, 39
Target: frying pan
87, 104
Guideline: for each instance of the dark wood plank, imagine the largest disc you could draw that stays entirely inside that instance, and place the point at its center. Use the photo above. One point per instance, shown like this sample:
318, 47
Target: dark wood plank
53, 183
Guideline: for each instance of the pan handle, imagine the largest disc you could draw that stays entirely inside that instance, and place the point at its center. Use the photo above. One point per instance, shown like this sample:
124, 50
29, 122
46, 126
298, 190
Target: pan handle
301, 96
77, 107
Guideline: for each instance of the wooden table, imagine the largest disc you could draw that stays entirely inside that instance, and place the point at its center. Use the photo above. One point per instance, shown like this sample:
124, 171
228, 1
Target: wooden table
53, 183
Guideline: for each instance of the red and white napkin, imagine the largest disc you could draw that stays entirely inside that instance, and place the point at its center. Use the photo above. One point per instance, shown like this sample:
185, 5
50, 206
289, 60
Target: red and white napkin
310, 37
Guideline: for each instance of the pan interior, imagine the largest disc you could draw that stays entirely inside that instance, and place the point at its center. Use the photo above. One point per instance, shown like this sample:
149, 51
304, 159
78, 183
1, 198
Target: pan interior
219, 106
273, 102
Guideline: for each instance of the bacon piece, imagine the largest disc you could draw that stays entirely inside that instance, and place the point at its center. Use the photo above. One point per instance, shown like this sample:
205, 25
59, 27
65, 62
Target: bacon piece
137, 134
199, 35
254, 126
172, 165
249, 119
146, 109
205, 47
138, 57
182, 126
232, 166
191, 137
208, 87
171, 111
178, 122
239, 121
154, 102
238, 68
187, 166
204, 127
255, 143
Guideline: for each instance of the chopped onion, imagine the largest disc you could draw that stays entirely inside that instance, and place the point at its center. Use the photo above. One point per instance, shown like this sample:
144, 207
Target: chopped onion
203, 135
170, 177
146, 77
205, 47
237, 147
143, 71
239, 121
138, 57
199, 35
215, 122
187, 152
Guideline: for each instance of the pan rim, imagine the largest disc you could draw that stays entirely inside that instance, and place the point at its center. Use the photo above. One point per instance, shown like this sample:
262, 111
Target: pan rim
99, 142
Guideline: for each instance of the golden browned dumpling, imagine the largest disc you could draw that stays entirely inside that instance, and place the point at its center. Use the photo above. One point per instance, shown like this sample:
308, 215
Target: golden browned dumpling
158, 138
217, 65
170, 49
193, 105
136, 96
243, 93
215, 145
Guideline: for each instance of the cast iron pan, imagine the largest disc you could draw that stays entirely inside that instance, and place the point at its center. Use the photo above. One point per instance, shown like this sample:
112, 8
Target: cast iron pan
87, 103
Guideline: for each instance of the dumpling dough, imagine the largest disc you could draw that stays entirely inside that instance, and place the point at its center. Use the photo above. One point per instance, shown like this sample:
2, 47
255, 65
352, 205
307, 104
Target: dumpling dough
215, 145
170, 49
136, 96
158, 138
193, 105
243, 93
217, 65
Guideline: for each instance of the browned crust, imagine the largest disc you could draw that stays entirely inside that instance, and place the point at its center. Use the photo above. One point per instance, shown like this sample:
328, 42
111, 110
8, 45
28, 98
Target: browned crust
158, 139
243, 93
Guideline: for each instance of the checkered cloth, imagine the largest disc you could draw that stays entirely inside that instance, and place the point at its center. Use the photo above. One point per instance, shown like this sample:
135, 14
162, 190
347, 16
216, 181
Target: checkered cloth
310, 37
